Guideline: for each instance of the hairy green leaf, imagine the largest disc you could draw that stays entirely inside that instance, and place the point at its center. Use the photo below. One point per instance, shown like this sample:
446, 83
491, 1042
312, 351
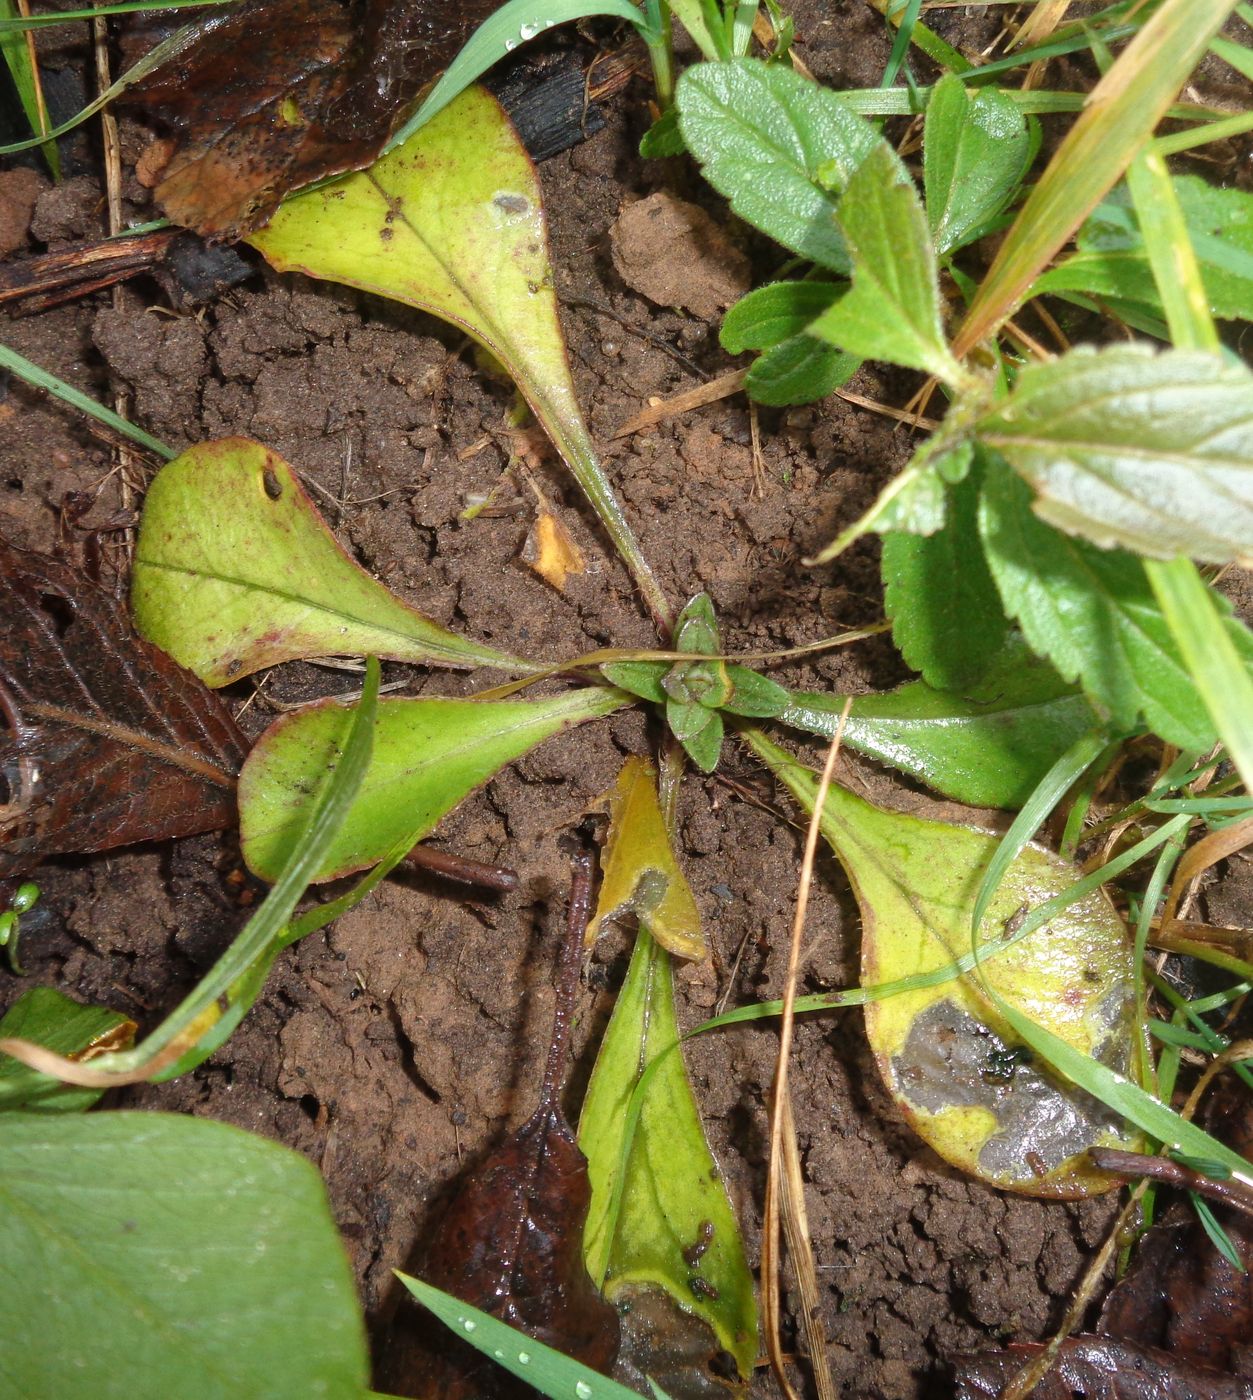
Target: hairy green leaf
236, 570
976, 148
780, 148
152, 1255
1150, 452
987, 745
893, 310
801, 369
775, 313
1092, 613
946, 614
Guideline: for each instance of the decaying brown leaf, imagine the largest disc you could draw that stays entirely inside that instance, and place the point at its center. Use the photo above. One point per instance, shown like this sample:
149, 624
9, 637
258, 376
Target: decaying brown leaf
510, 1241
280, 93
1177, 1327
103, 739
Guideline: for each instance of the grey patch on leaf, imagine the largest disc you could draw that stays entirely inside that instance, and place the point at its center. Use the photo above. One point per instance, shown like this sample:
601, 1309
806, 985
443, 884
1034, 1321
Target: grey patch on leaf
952, 1060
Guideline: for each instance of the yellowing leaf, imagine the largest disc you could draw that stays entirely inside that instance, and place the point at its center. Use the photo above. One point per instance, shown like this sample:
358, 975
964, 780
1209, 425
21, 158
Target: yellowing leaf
967, 1084
236, 570
641, 874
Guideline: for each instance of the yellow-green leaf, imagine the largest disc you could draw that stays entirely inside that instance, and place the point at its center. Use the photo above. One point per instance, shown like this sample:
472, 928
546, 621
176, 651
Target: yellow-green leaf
661, 1236
428, 754
641, 875
967, 1084
236, 570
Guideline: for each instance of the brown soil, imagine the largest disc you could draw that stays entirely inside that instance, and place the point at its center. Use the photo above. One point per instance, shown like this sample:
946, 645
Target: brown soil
397, 1043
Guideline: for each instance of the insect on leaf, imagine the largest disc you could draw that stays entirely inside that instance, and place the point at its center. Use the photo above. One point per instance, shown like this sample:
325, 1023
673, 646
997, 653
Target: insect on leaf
428, 754
661, 1232
160, 1247
967, 1084
105, 741
235, 570
641, 875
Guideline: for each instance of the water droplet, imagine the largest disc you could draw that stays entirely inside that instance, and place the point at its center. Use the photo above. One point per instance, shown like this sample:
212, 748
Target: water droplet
583, 1390
498, 1354
510, 45
528, 31
524, 1358
548, 23
469, 1324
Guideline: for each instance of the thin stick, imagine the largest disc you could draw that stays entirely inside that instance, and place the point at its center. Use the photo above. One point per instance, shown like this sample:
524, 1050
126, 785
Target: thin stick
771, 1260
1234, 1193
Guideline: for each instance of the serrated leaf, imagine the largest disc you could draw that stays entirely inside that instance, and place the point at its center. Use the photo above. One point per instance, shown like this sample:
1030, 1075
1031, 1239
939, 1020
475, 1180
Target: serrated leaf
657, 1198
976, 148
1149, 452
154, 1255
947, 618
963, 1078
428, 754
1093, 614
67, 1027
452, 222
893, 310
774, 313
762, 135
236, 570
800, 370
641, 875
987, 746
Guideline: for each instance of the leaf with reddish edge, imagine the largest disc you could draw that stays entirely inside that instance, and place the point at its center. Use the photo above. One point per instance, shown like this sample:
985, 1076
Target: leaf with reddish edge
105, 740
235, 570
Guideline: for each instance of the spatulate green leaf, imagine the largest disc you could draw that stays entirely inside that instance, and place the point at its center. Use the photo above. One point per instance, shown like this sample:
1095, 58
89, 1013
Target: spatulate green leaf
148, 1253
780, 148
236, 570
428, 754
946, 614
798, 370
963, 1077
1152, 453
1092, 613
57, 1022
987, 745
641, 875
893, 310
660, 1233
976, 147
774, 313
453, 222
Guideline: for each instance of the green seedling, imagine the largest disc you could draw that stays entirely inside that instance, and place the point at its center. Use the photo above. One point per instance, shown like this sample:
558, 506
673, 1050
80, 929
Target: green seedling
24, 900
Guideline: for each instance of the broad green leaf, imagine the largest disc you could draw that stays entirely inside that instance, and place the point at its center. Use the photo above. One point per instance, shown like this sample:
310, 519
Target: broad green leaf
550, 1371
801, 369
976, 148
754, 694
642, 678
236, 570
962, 1076
1150, 452
1112, 260
453, 222
946, 614
51, 1019
641, 875
150, 1255
1092, 613
660, 1222
701, 734
428, 754
893, 310
780, 148
774, 313
663, 138
988, 745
